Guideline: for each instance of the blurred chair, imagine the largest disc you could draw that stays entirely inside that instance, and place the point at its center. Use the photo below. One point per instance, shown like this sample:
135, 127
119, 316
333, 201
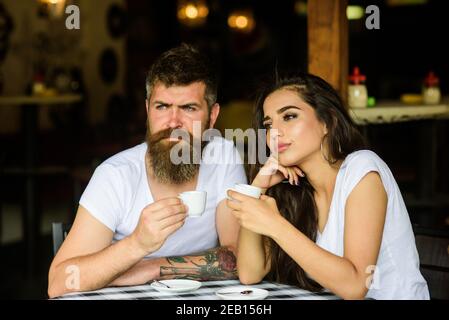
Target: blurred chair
59, 232
433, 249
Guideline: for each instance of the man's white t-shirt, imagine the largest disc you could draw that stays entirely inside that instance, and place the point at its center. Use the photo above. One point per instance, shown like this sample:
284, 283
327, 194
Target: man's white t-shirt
118, 191
396, 274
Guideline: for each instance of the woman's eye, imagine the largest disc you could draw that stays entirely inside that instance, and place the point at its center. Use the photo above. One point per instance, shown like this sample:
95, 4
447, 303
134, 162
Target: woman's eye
288, 117
267, 125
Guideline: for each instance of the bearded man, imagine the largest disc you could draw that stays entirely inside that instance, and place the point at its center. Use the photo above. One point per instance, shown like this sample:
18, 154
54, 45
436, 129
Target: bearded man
131, 227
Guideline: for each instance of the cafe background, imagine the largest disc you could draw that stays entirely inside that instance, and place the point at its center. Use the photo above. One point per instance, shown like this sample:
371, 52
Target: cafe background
69, 99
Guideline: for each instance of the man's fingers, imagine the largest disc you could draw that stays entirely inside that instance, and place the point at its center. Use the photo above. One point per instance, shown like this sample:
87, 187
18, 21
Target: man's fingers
174, 219
168, 211
160, 204
172, 228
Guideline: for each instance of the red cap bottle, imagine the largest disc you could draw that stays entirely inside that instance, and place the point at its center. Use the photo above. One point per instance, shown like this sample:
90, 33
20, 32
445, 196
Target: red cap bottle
356, 77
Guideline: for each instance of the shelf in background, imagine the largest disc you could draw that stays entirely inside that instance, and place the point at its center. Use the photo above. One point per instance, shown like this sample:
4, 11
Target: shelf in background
40, 100
394, 111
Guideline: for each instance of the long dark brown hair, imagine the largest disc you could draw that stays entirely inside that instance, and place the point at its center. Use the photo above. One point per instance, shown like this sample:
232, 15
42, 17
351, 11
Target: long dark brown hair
297, 203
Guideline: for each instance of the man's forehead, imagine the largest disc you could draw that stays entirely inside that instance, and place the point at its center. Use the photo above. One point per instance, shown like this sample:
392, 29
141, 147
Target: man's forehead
175, 94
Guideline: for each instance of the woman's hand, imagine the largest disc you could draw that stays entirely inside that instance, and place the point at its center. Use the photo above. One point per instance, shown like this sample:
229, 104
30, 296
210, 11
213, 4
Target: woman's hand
273, 173
257, 215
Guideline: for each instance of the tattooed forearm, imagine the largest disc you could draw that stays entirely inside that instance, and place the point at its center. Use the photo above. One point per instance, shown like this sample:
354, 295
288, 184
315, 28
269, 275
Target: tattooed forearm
214, 264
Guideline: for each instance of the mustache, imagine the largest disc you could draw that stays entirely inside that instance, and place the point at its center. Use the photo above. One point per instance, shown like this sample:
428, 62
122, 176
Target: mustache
167, 133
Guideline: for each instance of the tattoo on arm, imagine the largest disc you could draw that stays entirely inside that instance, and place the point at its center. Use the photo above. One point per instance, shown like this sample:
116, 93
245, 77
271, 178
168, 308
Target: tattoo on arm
214, 264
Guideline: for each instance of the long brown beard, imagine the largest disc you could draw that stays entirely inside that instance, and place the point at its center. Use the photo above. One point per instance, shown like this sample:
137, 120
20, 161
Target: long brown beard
164, 170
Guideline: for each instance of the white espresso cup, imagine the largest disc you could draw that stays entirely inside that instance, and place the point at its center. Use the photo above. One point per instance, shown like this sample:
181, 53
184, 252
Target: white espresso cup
248, 190
195, 202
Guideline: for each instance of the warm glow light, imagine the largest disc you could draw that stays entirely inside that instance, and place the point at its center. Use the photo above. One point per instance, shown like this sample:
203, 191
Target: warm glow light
354, 12
191, 11
55, 8
51, 1
241, 22
203, 11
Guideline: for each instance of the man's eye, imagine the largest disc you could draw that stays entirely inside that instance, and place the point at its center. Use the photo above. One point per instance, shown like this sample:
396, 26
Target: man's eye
288, 117
189, 108
161, 107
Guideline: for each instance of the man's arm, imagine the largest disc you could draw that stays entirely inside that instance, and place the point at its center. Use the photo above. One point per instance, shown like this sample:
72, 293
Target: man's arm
214, 264
88, 261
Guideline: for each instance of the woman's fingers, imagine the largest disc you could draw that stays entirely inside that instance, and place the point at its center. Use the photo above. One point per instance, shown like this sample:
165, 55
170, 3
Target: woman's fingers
293, 176
235, 205
283, 170
236, 214
296, 177
238, 196
299, 171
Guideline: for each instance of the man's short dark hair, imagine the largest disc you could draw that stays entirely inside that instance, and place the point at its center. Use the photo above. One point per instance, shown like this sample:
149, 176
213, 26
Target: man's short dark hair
182, 66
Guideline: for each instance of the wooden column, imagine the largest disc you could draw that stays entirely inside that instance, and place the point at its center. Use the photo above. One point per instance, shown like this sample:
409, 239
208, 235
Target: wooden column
328, 42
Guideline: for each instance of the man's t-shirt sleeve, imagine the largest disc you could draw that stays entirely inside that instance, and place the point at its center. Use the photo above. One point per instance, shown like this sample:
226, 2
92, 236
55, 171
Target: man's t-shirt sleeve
234, 172
102, 196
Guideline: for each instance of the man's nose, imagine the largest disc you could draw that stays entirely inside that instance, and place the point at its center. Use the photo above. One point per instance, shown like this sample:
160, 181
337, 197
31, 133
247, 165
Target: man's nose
175, 119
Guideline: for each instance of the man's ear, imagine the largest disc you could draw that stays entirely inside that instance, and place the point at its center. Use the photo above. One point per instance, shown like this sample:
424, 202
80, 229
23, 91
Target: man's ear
214, 111
146, 105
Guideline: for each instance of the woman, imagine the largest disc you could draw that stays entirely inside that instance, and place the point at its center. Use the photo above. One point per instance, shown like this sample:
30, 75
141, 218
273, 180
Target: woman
343, 226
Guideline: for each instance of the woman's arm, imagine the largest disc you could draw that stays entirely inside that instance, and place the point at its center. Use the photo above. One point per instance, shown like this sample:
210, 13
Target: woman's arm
253, 252
348, 276
252, 263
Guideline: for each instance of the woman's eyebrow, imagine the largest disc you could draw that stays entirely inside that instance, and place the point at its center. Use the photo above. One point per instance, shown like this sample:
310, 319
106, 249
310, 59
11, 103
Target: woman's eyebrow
286, 108
279, 111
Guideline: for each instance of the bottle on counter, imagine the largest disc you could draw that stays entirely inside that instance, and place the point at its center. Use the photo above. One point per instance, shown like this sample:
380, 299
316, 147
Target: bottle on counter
357, 92
38, 86
431, 90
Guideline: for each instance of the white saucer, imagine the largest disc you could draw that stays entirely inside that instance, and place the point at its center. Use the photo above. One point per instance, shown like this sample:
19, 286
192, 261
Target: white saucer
176, 285
233, 293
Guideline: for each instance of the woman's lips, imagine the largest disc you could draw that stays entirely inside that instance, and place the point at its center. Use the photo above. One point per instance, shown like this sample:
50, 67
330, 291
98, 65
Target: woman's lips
283, 146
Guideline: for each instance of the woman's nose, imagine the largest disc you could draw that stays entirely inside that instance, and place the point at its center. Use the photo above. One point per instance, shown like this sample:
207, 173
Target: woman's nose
276, 131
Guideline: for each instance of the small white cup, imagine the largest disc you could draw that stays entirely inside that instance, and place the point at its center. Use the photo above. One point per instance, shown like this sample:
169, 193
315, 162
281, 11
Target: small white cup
195, 202
248, 190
